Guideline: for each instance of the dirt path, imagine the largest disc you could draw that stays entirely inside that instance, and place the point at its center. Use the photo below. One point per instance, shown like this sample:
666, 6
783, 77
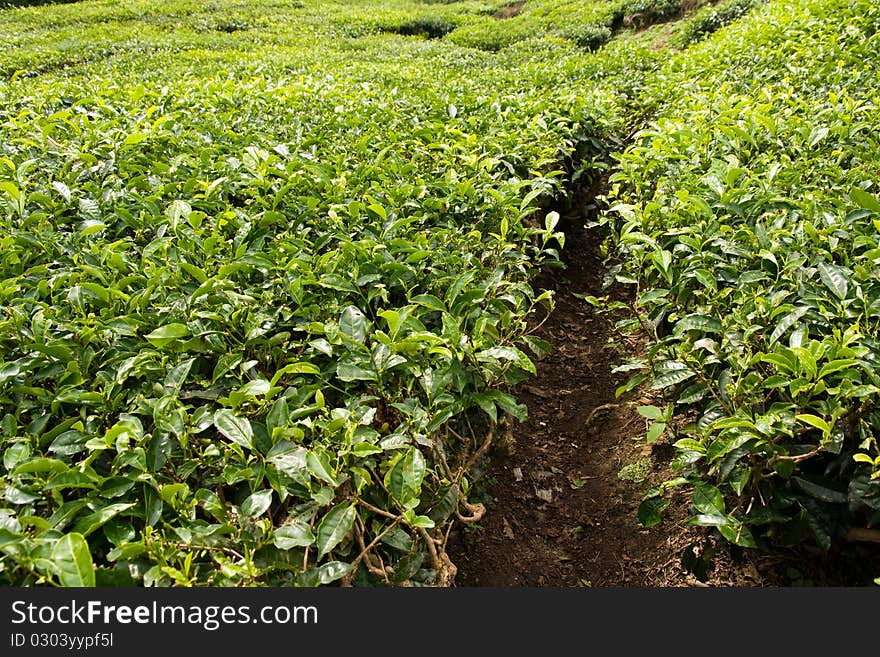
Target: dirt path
559, 513
562, 499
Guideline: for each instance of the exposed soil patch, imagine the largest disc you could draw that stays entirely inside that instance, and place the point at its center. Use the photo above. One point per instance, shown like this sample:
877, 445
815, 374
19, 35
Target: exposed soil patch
559, 513
562, 499
509, 11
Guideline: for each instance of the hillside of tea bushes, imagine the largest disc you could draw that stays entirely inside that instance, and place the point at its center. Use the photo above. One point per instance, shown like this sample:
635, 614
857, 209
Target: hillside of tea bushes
267, 269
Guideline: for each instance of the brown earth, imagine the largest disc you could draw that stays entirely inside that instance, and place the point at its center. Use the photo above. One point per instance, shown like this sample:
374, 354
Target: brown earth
559, 513
509, 11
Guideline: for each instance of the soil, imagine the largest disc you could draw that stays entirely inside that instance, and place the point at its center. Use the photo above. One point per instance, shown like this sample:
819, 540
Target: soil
562, 495
509, 11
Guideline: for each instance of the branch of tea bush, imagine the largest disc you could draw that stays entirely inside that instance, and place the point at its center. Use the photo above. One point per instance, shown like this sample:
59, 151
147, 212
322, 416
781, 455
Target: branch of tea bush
863, 534
796, 458
478, 453
374, 509
366, 549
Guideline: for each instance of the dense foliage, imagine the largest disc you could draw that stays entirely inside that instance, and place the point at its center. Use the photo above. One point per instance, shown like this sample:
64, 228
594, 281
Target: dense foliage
261, 303
30, 3
266, 269
713, 17
748, 215
589, 23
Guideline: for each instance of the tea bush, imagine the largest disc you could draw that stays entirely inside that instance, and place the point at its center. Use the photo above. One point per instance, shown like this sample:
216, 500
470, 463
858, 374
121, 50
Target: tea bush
713, 17
589, 23
433, 27
747, 218
261, 303
590, 37
639, 13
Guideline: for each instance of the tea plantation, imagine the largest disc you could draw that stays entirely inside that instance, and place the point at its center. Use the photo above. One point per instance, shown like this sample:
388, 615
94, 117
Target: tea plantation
267, 270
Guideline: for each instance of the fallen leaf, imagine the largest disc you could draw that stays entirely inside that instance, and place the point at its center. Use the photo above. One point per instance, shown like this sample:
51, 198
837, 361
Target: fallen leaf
538, 392
507, 530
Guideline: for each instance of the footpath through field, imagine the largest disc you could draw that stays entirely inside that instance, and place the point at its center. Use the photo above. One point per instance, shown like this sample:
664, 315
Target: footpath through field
563, 491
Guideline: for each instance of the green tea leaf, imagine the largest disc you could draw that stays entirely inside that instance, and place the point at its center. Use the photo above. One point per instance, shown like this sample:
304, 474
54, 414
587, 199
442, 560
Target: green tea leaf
671, 378
404, 479
318, 464
279, 415
835, 366
507, 353
738, 534
650, 412
692, 394
176, 376
333, 570
353, 324
865, 200
821, 492
834, 279
73, 561
701, 323
429, 301
814, 421
166, 334
295, 534
348, 371
787, 322
257, 504
654, 432
237, 429
87, 524
295, 368
708, 500
68, 443
650, 511
334, 527
40, 465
